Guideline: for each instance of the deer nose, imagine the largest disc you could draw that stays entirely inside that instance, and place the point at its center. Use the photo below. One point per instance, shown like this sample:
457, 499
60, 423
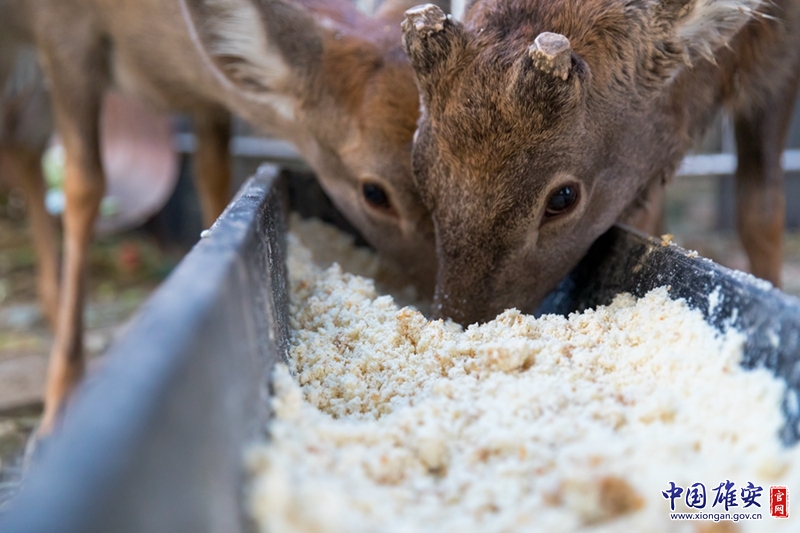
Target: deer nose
460, 308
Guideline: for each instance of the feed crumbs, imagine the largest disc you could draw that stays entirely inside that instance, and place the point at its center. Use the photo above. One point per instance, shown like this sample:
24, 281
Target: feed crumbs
387, 422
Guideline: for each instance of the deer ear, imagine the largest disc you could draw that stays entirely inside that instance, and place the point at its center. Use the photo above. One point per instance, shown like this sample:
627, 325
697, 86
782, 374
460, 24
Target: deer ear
394, 10
701, 27
253, 45
434, 42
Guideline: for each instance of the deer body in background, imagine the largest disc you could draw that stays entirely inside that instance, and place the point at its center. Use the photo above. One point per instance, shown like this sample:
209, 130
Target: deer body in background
546, 121
25, 129
318, 73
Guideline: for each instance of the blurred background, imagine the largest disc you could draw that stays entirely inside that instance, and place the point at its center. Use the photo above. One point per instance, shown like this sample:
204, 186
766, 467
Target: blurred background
146, 230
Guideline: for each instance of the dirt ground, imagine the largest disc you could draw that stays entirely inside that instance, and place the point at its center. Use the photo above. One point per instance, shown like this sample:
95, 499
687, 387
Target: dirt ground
125, 269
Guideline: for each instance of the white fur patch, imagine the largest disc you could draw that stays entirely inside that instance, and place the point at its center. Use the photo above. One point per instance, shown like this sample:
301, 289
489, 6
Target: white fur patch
237, 31
708, 25
283, 105
326, 22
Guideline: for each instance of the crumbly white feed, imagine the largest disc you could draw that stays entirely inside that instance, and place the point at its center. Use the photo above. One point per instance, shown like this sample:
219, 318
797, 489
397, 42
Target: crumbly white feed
328, 245
387, 422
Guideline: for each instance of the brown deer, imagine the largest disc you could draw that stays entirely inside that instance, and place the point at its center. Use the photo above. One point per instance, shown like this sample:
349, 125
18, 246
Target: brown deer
336, 83
25, 127
544, 122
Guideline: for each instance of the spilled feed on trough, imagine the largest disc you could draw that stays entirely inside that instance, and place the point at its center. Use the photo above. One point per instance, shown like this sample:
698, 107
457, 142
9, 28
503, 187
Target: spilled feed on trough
385, 421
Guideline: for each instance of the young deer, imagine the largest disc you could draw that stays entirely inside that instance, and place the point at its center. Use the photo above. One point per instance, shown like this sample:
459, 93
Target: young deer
316, 72
25, 128
546, 121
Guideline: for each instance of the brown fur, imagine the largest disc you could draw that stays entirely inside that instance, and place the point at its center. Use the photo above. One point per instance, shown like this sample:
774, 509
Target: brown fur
498, 135
315, 72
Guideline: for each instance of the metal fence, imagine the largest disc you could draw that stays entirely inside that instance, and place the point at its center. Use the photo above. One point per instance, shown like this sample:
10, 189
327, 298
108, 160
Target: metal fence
714, 157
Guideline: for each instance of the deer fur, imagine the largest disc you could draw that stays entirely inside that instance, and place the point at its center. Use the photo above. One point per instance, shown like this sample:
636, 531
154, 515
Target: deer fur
25, 127
502, 130
333, 81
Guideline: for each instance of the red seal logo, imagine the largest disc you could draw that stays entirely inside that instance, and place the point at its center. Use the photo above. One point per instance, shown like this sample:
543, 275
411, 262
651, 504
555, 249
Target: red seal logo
779, 502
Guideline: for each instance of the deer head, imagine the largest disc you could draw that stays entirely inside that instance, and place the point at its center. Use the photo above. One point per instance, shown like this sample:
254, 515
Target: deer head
542, 123
339, 85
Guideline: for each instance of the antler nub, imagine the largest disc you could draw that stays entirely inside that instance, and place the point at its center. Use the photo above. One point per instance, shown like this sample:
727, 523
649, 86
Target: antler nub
552, 53
426, 20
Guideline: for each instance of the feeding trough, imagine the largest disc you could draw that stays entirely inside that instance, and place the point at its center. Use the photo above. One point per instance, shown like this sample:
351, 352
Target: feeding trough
153, 440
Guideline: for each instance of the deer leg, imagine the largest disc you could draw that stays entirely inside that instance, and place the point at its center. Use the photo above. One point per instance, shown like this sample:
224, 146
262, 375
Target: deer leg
77, 80
24, 167
760, 203
212, 164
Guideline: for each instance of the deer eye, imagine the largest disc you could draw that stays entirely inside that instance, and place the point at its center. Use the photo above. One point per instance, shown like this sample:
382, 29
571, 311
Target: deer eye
376, 196
561, 201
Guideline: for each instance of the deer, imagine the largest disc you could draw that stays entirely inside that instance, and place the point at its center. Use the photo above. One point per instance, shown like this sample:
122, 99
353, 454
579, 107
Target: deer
545, 122
318, 73
25, 127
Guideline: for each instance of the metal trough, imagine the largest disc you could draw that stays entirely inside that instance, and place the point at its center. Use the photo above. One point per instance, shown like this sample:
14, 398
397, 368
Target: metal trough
153, 440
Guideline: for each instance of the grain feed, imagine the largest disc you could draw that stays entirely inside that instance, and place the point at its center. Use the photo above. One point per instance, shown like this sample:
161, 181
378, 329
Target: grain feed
328, 245
387, 422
